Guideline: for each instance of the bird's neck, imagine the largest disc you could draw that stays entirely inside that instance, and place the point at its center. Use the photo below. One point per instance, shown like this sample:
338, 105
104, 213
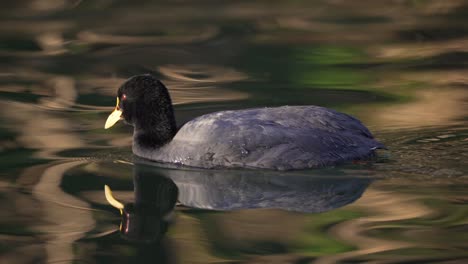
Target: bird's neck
156, 133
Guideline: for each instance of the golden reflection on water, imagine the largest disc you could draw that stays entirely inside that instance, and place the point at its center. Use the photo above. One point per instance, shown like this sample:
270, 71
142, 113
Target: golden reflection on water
184, 87
51, 43
381, 207
64, 93
197, 83
190, 37
431, 107
46, 132
61, 222
419, 50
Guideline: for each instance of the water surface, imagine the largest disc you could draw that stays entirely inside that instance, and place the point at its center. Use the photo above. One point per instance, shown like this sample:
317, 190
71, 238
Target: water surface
400, 67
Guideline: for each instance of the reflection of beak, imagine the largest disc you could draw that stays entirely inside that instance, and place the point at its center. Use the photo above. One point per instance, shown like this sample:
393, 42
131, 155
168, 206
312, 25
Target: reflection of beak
110, 198
114, 117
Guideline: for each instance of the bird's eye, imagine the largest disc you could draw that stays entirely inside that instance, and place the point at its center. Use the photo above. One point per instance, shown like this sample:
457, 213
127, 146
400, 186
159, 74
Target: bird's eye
124, 97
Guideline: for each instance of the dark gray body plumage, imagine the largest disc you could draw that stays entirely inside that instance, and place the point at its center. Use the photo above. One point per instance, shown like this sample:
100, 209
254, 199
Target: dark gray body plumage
282, 138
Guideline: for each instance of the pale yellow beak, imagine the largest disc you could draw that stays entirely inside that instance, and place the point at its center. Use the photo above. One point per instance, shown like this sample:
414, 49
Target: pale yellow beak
112, 201
114, 117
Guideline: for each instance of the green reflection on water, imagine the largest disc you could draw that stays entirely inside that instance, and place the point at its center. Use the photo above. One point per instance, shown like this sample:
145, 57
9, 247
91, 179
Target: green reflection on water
315, 240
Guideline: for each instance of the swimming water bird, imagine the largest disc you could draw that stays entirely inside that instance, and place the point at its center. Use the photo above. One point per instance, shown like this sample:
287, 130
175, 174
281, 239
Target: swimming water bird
279, 138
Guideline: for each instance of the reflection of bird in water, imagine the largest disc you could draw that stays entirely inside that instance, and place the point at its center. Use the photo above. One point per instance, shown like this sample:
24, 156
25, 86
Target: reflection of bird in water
156, 194
288, 137
240, 190
156, 191
147, 219
237, 189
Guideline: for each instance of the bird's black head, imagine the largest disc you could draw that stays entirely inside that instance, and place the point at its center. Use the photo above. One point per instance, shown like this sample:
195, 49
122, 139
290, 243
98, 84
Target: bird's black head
144, 102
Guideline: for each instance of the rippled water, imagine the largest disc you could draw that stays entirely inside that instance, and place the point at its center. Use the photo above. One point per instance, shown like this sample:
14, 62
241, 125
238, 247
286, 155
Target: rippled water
399, 66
